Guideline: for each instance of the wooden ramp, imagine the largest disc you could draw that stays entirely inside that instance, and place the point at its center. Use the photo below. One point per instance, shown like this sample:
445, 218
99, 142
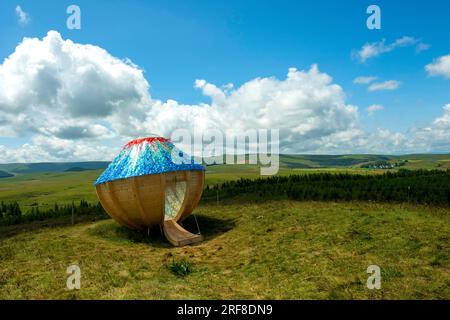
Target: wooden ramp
177, 235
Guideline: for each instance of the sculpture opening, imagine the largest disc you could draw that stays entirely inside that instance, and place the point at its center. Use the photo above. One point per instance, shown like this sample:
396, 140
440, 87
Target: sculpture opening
174, 198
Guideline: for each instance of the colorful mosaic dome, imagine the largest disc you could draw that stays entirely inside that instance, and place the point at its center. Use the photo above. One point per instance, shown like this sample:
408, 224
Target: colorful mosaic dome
147, 156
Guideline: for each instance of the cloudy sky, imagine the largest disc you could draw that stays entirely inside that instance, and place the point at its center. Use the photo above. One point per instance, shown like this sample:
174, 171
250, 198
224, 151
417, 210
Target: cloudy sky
135, 68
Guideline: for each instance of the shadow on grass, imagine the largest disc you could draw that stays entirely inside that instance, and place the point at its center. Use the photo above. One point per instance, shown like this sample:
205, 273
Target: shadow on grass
209, 227
12, 230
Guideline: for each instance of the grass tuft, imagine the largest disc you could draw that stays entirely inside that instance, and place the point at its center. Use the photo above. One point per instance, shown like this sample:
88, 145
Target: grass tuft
180, 268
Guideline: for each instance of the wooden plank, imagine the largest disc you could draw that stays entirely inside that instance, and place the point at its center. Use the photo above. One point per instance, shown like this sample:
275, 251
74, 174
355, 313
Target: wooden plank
178, 236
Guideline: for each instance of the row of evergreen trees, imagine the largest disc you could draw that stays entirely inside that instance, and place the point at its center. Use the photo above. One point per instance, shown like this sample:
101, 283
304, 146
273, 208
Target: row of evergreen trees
418, 186
10, 213
8, 210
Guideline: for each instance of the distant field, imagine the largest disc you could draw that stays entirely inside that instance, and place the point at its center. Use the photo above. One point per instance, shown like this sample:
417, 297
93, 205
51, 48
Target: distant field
221, 173
271, 250
424, 161
4, 174
61, 186
415, 161
45, 189
51, 166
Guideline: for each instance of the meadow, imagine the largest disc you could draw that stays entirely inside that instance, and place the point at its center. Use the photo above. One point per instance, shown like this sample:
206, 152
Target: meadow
44, 189
270, 250
45, 184
254, 248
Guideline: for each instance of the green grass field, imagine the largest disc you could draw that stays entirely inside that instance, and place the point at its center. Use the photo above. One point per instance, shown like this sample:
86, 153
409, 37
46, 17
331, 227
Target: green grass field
252, 250
31, 186
44, 189
279, 250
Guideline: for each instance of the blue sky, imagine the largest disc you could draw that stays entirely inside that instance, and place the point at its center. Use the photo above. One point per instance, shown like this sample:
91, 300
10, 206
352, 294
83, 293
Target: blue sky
177, 42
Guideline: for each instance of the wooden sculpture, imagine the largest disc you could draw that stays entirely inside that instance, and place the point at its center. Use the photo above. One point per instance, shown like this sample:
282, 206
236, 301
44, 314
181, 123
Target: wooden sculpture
151, 183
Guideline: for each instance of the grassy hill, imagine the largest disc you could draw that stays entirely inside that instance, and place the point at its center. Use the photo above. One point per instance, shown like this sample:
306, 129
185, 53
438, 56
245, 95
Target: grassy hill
425, 161
46, 188
327, 161
275, 249
4, 174
76, 169
253, 249
51, 166
414, 161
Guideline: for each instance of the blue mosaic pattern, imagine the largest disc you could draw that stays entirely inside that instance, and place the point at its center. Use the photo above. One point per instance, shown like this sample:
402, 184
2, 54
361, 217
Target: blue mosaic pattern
147, 157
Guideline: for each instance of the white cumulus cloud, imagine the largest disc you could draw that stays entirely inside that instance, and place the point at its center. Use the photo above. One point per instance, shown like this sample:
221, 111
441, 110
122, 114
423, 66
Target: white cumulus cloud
73, 94
436, 136
439, 67
56, 87
78, 102
443, 122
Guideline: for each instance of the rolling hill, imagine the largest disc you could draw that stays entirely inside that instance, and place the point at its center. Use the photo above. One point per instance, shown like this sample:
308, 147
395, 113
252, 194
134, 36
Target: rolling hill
76, 169
52, 166
4, 174
288, 161
254, 248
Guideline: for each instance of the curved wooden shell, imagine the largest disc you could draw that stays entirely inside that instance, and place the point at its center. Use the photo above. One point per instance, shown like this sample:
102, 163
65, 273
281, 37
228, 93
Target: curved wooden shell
139, 202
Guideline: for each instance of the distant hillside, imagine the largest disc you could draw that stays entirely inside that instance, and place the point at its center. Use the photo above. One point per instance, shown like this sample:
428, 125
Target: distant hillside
52, 166
4, 174
289, 161
310, 161
327, 161
76, 169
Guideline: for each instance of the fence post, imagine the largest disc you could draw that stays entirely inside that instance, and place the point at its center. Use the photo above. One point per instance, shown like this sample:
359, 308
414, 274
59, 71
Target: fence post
73, 214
